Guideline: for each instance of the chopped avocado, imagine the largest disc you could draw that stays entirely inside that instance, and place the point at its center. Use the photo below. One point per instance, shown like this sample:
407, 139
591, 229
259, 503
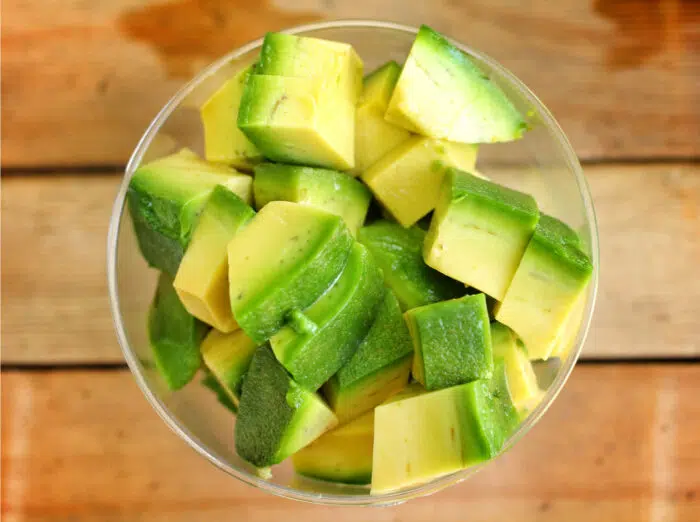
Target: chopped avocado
407, 179
479, 232
522, 381
165, 197
202, 279
283, 260
374, 136
428, 435
222, 396
174, 335
342, 455
551, 277
343, 316
569, 331
398, 252
379, 368
276, 416
223, 140
442, 93
228, 356
328, 190
452, 342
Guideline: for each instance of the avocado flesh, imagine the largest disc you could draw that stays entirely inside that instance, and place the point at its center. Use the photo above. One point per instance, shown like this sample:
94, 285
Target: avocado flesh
276, 416
342, 318
479, 232
452, 342
223, 140
329, 190
342, 455
399, 253
442, 93
407, 179
202, 278
551, 278
165, 197
283, 260
174, 335
379, 368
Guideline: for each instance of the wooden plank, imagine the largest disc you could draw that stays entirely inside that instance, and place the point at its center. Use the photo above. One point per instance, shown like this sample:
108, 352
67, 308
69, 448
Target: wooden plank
55, 307
590, 458
81, 80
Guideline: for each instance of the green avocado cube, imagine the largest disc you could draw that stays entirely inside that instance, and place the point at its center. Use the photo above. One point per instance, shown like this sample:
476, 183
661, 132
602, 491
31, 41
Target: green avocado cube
452, 342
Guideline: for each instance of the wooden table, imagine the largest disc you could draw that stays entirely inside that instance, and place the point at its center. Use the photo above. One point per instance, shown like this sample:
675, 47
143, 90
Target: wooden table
80, 82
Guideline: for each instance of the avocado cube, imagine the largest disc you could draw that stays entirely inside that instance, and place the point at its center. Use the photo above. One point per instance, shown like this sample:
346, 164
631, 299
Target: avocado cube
276, 416
452, 342
174, 335
228, 356
569, 331
399, 253
380, 367
314, 348
328, 190
550, 279
407, 179
165, 197
284, 259
479, 232
202, 278
442, 93
342, 455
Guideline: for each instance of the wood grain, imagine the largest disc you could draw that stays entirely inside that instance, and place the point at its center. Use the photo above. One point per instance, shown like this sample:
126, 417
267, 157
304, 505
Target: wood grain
620, 444
55, 307
81, 80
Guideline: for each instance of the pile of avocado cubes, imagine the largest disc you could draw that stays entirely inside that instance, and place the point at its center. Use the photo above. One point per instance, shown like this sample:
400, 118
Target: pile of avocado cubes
384, 350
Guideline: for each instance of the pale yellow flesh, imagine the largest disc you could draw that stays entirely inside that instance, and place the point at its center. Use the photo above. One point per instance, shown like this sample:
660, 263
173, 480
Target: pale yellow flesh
374, 137
242, 186
315, 417
569, 331
522, 381
222, 350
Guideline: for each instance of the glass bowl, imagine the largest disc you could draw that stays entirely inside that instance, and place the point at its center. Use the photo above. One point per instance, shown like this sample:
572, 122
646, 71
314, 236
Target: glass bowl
542, 163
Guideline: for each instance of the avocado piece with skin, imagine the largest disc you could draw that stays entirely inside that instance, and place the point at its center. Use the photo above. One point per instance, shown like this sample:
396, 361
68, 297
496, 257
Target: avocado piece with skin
479, 232
328, 190
175, 336
202, 278
276, 416
407, 179
283, 260
452, 342
342, 455
223, 140
399, 253
549, 281
165, 197
341, 318
379, 368
442, 93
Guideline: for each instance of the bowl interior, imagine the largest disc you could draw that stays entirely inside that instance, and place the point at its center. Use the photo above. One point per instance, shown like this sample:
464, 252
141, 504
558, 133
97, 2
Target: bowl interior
542, 163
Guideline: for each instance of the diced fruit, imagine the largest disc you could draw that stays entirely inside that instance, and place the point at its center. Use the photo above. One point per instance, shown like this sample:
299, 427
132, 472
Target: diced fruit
328, 190
374, 136
569, 331
428, 435
340, 319
479, 232
165, 197
342, 455
551, 277
379, 368
222, 396
399, 253
283, 260
407, 179
223, 140
522, 381
452, 342
228, 356
202, 279
276, 416
175, 336
442, 93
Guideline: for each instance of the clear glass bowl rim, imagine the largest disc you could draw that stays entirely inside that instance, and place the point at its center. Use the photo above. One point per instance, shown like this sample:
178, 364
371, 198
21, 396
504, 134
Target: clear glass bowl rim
297, 494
